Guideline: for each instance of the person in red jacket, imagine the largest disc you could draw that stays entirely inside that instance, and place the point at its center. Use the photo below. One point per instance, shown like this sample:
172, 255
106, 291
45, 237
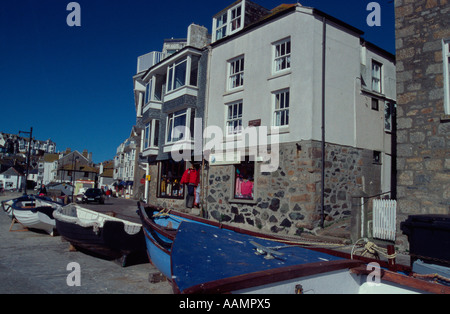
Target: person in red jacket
191, 177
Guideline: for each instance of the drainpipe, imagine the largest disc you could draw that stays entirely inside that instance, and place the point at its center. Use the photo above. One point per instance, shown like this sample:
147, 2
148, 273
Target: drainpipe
204, 194
324, 50
147, 173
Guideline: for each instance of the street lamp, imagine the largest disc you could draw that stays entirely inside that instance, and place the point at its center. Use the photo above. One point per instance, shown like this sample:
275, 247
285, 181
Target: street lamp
74, 162
28, 157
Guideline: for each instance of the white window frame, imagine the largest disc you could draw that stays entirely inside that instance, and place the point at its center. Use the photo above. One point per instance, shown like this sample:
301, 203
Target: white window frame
233, 118
236, 21
150, 134
147, 135
221, 26
171, 74
446, 60
377, 76
282, 55
281, 98
236, 68
150, 94
171, 117
148, 91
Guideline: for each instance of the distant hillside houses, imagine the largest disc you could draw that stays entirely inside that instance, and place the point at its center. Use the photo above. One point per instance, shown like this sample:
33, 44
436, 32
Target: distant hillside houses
12, 144
45, 165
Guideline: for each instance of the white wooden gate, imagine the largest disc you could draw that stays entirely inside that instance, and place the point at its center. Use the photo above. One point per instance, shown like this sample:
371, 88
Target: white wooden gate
384, 219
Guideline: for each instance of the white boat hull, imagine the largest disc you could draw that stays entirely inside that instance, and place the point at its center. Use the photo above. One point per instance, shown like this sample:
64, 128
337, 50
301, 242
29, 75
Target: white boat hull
337, 282
7, 208
35, 220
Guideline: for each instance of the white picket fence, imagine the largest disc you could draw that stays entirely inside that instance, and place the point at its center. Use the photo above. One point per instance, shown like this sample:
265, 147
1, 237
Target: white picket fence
384, 219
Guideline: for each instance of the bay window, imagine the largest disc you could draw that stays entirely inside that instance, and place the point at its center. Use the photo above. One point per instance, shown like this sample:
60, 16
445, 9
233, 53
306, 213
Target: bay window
151, 135
177, 123
153, 89
183, 73
176, 75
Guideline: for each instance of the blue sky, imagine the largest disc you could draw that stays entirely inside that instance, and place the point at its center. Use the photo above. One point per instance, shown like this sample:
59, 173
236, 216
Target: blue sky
74, 84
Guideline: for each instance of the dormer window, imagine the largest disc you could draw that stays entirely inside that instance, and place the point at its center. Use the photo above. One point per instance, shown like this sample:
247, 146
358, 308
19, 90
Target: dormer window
236, 14
229, 21
221, 26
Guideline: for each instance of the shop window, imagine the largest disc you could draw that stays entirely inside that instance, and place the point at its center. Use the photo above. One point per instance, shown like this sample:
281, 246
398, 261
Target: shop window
244, 180
169, 181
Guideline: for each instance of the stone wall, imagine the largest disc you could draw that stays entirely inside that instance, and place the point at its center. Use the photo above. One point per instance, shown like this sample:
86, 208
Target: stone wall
288, 201
423, 162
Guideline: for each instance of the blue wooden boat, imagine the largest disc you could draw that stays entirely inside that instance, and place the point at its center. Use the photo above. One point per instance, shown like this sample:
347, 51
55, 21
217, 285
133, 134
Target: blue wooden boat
160, 229
213, 260
174, 245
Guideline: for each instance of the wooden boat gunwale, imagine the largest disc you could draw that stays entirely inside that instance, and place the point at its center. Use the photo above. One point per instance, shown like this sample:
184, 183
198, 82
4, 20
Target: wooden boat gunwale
159, 246
396, 278
250, 280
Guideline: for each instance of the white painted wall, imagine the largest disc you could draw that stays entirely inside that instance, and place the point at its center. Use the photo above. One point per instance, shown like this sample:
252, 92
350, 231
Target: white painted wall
11, 182
344, 101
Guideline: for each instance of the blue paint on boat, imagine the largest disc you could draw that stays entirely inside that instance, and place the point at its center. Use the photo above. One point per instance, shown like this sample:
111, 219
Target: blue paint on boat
202, 254
158, 225
158, 257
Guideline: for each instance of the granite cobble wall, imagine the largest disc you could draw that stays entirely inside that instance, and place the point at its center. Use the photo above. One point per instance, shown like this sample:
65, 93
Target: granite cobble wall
288, 201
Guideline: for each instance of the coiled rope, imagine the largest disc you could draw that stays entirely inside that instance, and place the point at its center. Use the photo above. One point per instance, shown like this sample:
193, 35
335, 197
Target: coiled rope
372, 248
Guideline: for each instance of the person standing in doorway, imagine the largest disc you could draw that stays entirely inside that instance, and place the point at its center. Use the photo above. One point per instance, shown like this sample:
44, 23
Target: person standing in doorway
191, 177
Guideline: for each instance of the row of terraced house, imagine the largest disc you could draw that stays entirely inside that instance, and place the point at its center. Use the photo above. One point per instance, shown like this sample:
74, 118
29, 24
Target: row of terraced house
291, 103
294, 78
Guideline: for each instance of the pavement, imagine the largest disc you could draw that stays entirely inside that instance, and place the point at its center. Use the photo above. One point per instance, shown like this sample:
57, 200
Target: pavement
36, 263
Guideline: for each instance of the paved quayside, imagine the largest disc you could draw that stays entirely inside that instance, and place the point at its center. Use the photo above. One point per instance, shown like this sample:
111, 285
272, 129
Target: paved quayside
32, 262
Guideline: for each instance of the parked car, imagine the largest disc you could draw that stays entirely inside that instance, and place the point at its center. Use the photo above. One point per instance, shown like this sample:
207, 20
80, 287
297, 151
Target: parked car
94, 195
